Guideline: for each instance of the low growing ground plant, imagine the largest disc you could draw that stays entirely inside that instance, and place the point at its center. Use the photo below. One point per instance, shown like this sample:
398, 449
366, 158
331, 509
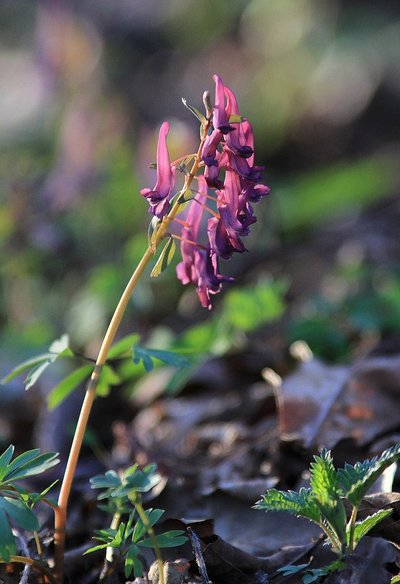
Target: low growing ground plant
121, 492
323, 504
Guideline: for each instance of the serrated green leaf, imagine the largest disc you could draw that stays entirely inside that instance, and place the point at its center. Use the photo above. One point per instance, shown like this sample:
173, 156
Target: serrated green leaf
324, 478
324, 481
350, 475
363, 527
7, 541
65, 387
395, 579
122, 347
376, 466
301, 504
20, 513
165, 258
195, 112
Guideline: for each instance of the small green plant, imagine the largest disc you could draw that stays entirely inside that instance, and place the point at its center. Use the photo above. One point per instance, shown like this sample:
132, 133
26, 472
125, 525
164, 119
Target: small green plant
120, 492
16, 502
322, 503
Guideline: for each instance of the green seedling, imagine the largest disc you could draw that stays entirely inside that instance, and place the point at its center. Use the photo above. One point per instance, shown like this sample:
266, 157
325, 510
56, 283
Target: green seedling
121, 492
323, 502
16, 502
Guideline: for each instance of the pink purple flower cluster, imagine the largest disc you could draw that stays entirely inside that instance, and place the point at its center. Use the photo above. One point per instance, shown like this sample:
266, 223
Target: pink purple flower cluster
229, 170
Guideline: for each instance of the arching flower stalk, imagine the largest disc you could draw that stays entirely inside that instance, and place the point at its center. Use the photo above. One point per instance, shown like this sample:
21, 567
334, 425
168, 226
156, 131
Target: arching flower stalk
224, 163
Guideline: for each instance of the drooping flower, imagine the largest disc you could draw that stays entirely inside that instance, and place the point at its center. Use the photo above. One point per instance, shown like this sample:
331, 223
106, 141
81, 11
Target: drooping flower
227, 158
198, 265
158, 197
240, 141
221, 114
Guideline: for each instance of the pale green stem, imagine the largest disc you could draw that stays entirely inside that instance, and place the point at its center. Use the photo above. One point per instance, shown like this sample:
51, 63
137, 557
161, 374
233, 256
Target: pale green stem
114, 525
61, 511
350, 528
150, 531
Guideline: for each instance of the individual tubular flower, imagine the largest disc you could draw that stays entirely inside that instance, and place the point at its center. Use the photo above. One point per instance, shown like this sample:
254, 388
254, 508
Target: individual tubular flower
240, 141
198, 265
158, 197
221, 113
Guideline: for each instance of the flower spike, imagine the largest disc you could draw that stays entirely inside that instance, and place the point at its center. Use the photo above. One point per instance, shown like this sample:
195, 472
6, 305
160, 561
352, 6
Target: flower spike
224, 163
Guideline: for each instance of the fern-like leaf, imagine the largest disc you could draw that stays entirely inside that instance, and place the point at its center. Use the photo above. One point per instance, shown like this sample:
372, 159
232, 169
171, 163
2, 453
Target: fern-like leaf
364, 526
369, 472
300, 503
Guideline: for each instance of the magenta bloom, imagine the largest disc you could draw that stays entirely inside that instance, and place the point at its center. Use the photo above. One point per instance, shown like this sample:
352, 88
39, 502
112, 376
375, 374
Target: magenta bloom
158, 197
198, 266
221, 114
240, 141
230, 171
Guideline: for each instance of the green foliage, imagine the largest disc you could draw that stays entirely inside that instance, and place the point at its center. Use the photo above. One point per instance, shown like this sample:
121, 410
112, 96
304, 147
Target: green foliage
121, 491
363, 527
15, 502
301, 504
131, 536
325, 487
323, 502
311, 574
165, 258
319, 195
248, 308
67, 385
369, 303
197, 113
36, 366
147, 356
367, 473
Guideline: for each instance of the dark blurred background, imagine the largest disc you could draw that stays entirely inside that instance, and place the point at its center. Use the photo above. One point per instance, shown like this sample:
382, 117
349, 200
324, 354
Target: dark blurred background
85, 85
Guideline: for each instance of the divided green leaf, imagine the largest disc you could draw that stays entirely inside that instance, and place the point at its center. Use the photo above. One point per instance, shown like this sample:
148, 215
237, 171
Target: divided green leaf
37, 365
146, 356
67, 385
27, 464
122, 347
